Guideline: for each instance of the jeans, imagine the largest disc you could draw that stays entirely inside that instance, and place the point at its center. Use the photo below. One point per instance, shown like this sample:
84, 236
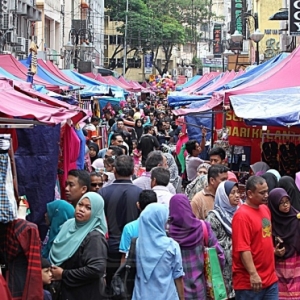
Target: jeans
269, 293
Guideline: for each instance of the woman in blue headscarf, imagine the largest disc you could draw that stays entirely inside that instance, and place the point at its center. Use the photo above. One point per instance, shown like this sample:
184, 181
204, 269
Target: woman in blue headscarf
159, 270
58, 212
227, 199
79, 251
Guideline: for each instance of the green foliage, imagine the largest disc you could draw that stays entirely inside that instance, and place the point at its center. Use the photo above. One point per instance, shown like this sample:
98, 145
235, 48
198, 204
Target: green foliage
163, 24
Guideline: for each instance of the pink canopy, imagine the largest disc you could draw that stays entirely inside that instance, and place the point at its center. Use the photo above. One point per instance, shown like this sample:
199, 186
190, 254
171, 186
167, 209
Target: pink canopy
283, 75
50, 67
13, 66
49, 110
201, 81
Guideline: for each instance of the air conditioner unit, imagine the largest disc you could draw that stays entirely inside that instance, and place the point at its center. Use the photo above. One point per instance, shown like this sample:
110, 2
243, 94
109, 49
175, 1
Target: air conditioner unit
8, 19
27, 45
21, 44
11, 37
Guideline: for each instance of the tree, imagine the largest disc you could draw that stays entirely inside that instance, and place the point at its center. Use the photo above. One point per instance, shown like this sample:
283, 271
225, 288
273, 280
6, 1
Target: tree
155, 25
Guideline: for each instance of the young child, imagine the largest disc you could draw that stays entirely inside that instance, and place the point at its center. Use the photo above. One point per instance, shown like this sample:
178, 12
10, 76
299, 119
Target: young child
46, 277
136, 157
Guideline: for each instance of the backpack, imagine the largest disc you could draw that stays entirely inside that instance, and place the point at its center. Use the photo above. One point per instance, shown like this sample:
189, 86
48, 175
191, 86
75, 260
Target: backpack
122, 283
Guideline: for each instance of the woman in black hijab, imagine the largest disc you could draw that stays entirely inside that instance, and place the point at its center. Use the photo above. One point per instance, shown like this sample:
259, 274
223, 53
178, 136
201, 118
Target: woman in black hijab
271, 180
94, 150
288, 184
138, 128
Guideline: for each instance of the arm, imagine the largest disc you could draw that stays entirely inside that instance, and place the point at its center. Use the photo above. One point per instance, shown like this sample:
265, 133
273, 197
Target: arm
180, 287
255, 280
203, 140
94, 256
156, 143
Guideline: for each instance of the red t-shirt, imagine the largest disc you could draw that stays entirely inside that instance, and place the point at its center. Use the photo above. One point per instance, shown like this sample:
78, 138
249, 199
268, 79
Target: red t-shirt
252, 231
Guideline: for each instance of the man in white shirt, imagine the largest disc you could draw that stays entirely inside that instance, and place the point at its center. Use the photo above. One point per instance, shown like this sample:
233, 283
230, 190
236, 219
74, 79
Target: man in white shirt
160, 178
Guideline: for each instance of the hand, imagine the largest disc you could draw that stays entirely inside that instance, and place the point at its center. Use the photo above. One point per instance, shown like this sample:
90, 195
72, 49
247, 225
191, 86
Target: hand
255, 282
204, 131
279, 251
56, 272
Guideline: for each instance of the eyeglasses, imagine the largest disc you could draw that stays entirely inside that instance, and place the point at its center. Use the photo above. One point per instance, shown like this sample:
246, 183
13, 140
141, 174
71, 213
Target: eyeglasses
97, 184
285, 203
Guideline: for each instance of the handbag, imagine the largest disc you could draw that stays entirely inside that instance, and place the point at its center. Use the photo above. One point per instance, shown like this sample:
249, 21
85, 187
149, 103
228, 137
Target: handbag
215, 285
122, 283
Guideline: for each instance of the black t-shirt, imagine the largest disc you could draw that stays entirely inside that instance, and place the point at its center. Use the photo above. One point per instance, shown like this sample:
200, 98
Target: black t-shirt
147, 144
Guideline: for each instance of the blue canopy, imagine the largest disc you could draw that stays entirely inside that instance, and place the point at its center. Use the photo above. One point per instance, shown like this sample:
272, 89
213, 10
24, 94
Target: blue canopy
93, 87
49, 77
188, 83
273, 108
255, 71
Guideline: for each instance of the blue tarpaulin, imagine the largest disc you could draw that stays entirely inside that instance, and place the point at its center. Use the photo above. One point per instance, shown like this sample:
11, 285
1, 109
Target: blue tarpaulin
188, 83
93, 87
275, 107
255, 72
44, 74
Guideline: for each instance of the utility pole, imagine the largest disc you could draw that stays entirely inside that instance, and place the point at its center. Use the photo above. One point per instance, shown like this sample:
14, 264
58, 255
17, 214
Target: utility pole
125, 41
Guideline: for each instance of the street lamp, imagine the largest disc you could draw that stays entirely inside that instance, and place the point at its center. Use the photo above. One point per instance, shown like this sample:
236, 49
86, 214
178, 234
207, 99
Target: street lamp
256, 37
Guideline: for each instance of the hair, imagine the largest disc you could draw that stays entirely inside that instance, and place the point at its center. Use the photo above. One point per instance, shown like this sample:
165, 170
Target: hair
215, 170
218, 151
124, 165
123, 147
94, 119
95, 174
190, 146
115, 135
45, 263
253, 181
82, 175
147, 197
147, 128
120, 120
161, 175
117, 151
153, 160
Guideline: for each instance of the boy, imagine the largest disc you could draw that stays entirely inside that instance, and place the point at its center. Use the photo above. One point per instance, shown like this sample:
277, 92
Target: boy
46, 277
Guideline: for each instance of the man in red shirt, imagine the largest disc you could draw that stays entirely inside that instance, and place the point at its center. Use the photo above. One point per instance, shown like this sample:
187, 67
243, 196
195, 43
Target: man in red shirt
253, 265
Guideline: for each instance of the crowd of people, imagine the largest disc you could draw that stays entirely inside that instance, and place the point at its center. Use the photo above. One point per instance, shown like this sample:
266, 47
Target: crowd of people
133, 190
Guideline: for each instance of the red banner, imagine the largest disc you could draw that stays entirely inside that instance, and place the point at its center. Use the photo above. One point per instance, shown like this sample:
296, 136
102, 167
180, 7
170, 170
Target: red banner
241, 134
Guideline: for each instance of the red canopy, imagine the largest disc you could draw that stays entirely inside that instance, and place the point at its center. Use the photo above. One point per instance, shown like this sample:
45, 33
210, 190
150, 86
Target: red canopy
13, 66
16, 104
50, 67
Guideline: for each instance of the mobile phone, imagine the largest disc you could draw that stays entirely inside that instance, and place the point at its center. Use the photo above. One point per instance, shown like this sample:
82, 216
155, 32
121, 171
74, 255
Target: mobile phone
279, 241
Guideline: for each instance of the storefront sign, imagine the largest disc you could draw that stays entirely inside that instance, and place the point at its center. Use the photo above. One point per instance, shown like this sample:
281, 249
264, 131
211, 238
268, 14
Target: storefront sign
217, 42
294, 17
241, 134
238, 7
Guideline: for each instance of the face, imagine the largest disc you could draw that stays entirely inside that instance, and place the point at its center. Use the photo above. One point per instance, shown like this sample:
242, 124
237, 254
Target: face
216, 160
134, 145
46, 275
93, 152
234, 196
216, 181
83, 210
117, 141
74, 190
284, 205
259, 196
109, 153
139, 123
96, 183
108, 167
167, 124
120, 125
151, 115
202, 171
197, 150
165, 162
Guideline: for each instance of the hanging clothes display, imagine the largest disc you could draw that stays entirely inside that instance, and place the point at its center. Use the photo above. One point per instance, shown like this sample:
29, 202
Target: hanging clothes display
20, 252
8, 204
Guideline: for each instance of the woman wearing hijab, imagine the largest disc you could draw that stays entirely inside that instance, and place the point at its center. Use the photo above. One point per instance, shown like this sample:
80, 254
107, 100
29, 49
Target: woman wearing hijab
288, 184
259, 168
227, 200
58, 212
172, 167
159, 269
286, 234
187, 230
271, 180
94, 150
199, 183
275, 172
79, 252
138, 129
